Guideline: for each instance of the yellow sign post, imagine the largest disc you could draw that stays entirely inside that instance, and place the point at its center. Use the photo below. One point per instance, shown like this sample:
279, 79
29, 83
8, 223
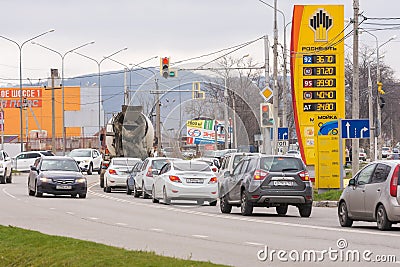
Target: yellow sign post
318, 86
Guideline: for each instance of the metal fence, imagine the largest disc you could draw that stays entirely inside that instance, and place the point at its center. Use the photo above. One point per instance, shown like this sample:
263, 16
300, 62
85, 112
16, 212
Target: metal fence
71, 143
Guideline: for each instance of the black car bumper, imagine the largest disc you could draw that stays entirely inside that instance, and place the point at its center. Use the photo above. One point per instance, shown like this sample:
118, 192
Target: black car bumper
50, 188
273, 198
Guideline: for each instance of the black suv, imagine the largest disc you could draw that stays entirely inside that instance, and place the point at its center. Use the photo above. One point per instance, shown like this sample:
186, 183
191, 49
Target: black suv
267, 181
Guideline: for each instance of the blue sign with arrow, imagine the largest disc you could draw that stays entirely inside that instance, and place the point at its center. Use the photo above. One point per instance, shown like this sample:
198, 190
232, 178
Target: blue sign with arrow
283, 133
355, 128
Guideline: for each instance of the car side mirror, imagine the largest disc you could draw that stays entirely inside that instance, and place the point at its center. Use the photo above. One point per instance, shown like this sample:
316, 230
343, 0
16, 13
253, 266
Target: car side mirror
352, 182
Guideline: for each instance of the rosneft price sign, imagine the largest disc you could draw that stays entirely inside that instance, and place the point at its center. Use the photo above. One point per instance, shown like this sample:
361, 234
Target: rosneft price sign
317, 68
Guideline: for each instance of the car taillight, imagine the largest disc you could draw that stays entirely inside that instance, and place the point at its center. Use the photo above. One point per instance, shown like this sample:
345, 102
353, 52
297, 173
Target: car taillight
111, 171
175, 179
394, 182
149, 172
260, 175
214, 169
304, 176
213, 180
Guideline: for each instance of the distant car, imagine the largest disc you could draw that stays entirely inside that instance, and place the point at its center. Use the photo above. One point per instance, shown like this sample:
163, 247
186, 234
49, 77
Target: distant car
386, 151
393, 156
267, 181
211, 162
24, 160
396, 150
295, 153
130, 181
144, 179
362, 156
185, 180
117, 173
88, 159
58, 176
373, 194
5, 168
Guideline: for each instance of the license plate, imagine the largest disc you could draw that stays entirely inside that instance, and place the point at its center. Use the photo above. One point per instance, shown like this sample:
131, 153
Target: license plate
63, 187
283, 183
194, 181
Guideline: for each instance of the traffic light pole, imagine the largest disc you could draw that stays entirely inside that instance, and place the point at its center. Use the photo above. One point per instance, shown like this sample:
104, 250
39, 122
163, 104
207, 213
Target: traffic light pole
158, 119
266, 147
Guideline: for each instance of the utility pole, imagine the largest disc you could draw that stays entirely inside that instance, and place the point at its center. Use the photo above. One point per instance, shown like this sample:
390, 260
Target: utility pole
371, 117
126, 89
356, 88
54, 74
226, 119
158, 119
2, 123
378, 107
266, 132
275, 89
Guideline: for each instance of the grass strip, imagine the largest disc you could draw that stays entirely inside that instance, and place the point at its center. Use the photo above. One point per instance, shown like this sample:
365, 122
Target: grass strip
20, 247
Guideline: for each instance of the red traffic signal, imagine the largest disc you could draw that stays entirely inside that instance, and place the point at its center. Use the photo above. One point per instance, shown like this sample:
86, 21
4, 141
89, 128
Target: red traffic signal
164, 67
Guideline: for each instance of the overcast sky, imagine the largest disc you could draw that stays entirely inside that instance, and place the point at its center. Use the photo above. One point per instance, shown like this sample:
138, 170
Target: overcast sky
180, 29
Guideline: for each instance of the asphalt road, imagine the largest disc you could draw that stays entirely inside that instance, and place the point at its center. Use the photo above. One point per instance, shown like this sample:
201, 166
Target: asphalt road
189, 231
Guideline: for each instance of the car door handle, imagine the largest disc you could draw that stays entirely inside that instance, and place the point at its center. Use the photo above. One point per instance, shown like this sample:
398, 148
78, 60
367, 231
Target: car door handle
379, 190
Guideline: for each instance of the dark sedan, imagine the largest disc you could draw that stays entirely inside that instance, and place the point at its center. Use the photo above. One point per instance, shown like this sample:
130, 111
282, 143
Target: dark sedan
57, 176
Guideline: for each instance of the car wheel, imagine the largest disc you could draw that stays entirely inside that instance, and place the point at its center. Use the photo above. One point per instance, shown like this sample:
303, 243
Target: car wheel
213, 203
282, 210
382, 219
3, 179
37, 193
31, 192
135, 191
343, 214
128, 190
107, 189
82, 195
200, 202
101, 182
153, 195
246, 208
90, 169
224, 205
9, 179
99, 170
144, 194
305, 210
166, 200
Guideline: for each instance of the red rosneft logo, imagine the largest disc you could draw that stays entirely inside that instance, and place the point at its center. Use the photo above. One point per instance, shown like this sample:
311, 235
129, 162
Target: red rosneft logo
320, 23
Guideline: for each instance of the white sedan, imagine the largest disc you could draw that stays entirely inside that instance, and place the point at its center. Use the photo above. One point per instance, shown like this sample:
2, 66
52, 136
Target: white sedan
117, 173
186, 180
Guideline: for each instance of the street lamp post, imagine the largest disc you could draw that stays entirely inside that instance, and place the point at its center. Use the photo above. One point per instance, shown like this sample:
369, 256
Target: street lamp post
62, 84
20, 46
99, 76
378, 153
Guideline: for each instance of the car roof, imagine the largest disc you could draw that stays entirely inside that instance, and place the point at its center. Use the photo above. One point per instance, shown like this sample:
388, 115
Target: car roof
57, 157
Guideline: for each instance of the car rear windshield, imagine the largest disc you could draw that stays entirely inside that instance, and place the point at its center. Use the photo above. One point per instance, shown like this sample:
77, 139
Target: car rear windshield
47, 153
80, 153
124, 162
157, 164
281, 164
59, 165
237, 159
191, 166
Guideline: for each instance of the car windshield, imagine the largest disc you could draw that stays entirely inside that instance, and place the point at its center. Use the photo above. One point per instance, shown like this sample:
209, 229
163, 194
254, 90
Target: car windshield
124, 162
237, 159
59, 165
47, 153
280, 164
157, 164
191, 166
80, 153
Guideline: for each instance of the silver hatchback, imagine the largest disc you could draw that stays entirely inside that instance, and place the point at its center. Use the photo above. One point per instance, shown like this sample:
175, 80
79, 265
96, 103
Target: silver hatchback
373, 194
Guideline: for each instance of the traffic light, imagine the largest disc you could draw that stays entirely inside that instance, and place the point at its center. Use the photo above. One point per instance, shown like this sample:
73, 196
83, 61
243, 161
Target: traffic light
380, 90
164, 67
381, 102
266, 115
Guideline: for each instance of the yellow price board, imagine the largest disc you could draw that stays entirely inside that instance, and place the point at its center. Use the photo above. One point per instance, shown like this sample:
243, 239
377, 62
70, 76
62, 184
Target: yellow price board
318, 82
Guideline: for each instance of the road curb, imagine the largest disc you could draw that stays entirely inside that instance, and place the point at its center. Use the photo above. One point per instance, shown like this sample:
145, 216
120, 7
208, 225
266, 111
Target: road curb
325, 203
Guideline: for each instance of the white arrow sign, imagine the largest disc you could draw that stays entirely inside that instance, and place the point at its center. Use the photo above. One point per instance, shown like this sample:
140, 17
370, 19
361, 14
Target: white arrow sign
348, 128
283, 136
362, 131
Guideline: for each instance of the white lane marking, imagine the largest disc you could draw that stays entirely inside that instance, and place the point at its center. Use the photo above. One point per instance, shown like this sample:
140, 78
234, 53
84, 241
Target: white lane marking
8, 194
122, 224
200, 236
93, 218
156, 229
239, 218
52, 208
70, 213
254, 244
